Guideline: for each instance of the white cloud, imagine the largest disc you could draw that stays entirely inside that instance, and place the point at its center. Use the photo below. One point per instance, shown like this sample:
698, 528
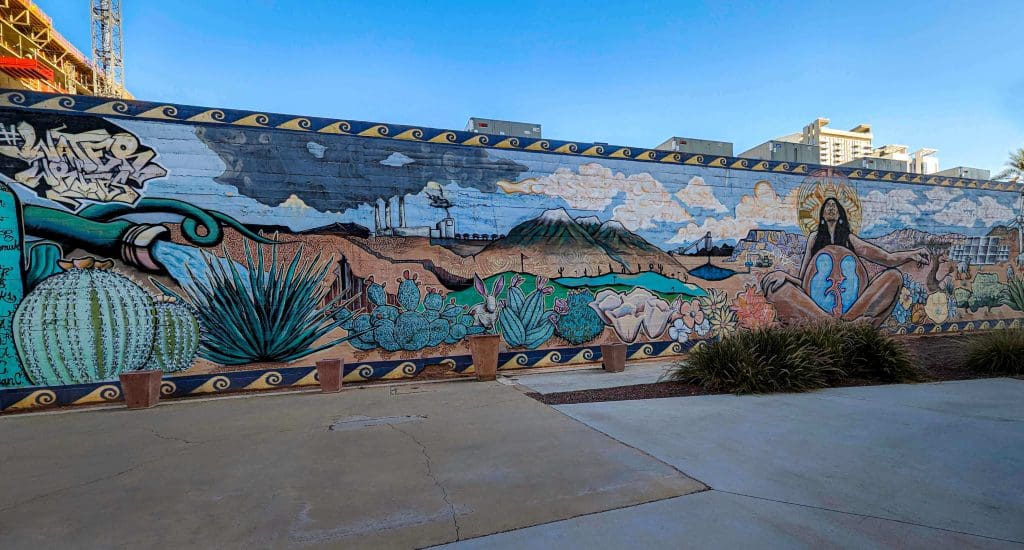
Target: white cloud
594, 187
896, 206
761, 208
397, 160
315, 149
938, 198
699, 194
966, 213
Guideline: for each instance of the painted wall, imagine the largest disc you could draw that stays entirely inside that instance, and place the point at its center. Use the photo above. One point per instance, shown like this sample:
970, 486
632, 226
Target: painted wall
233, 249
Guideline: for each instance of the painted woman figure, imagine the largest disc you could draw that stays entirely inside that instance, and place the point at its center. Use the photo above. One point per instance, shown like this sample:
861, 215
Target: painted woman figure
833, 281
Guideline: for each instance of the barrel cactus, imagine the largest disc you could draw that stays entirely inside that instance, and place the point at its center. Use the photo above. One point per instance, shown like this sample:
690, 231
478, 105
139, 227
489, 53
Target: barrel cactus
84, 325
579, 322
177, 336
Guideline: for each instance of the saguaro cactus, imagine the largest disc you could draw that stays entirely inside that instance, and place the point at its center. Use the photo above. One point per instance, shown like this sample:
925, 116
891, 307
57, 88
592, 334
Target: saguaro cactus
84, 325
11, 284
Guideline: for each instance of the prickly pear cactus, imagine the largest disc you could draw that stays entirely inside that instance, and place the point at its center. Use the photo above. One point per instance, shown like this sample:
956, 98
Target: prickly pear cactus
84, 325
417, 321
176, 339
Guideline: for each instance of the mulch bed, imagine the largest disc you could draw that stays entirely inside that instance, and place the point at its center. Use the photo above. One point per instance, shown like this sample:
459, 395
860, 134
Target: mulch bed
941, 356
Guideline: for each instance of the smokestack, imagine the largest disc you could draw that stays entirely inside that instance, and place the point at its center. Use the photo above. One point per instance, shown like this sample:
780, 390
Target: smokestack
376, 216
401, 211
387, 213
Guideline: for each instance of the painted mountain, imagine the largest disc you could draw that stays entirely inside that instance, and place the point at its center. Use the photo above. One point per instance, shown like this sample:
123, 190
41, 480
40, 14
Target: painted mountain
580, 244
629, 248
908, 238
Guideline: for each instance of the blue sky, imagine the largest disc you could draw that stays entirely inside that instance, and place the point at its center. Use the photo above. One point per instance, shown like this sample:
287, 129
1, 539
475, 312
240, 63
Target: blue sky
938, 74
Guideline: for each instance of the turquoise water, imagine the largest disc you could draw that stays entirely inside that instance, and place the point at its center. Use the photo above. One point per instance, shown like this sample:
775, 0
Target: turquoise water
655, 282
179, 259
710, 272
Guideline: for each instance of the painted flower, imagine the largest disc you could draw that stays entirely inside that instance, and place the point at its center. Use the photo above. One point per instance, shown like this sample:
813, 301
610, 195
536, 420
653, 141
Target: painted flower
679, 332
561, 306
716, 310
901, 313
937, 307
516, 280
752, 309
693, 317
906, 299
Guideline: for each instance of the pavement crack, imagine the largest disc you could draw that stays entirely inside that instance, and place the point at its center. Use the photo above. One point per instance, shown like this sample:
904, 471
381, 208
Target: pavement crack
868, 516
80, 485
430, 473
109, 476
170, 438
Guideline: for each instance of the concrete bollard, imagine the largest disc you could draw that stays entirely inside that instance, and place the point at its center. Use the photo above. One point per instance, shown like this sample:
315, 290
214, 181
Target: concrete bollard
484, 348
613, 357
330, 372
141, 388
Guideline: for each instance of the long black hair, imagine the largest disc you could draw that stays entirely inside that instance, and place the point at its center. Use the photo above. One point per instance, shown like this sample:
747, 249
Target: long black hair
842, 236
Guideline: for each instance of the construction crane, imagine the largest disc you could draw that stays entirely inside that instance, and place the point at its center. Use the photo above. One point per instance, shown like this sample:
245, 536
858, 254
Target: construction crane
107, 48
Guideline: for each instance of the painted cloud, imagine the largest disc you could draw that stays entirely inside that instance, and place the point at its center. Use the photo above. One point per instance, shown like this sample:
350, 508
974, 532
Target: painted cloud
699, 194
595, 187
966, 212
762, 208
881, 209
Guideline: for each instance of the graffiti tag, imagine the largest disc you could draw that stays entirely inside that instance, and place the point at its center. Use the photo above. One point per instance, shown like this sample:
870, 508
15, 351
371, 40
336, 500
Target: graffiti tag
69, 168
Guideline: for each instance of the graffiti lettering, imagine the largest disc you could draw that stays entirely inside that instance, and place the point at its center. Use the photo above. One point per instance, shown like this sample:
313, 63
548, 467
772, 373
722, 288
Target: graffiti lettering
69, 168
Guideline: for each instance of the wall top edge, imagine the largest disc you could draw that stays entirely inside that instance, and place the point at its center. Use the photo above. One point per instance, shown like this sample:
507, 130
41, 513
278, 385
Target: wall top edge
168, 112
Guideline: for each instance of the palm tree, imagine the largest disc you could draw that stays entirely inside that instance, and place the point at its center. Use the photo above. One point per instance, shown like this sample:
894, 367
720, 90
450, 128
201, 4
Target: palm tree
1014, 167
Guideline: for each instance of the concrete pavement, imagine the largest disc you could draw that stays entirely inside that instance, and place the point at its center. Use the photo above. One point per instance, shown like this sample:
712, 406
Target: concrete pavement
713, 519
590, 378
909, 466
403, 467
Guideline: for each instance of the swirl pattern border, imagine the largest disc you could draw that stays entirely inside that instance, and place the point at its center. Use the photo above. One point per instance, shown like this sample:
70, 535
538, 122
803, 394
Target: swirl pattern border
21, 399
22, 99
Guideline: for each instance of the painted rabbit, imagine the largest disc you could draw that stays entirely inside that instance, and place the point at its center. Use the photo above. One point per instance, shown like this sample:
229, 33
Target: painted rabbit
486, 313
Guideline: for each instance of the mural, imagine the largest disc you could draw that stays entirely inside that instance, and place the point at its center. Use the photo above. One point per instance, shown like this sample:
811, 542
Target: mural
209, 250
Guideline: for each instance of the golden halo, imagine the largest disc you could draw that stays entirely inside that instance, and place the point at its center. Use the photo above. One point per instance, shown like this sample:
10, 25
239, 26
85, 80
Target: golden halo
819, 186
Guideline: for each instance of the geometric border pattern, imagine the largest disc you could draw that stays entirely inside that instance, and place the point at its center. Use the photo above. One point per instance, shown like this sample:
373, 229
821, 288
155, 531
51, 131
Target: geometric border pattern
20, 399
165, 112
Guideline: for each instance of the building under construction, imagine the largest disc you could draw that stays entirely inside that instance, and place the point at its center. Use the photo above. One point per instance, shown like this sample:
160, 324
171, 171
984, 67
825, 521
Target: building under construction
34, 56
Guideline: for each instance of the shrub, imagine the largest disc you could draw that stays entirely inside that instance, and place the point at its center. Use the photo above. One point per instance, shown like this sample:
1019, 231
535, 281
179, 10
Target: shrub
798, 358
759, 361
997, 352
870, 354
986, 291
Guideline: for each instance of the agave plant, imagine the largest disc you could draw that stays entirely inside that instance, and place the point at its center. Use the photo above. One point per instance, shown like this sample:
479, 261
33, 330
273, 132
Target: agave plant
263, 312
1014, 296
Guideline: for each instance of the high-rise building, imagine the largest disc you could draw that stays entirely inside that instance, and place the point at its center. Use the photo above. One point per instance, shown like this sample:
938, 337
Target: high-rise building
34, 56
924, 161
836, 147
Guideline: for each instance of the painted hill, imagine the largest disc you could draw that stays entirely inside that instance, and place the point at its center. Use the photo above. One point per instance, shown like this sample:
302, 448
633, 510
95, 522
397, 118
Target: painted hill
629, 248
550, 241
579, 246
